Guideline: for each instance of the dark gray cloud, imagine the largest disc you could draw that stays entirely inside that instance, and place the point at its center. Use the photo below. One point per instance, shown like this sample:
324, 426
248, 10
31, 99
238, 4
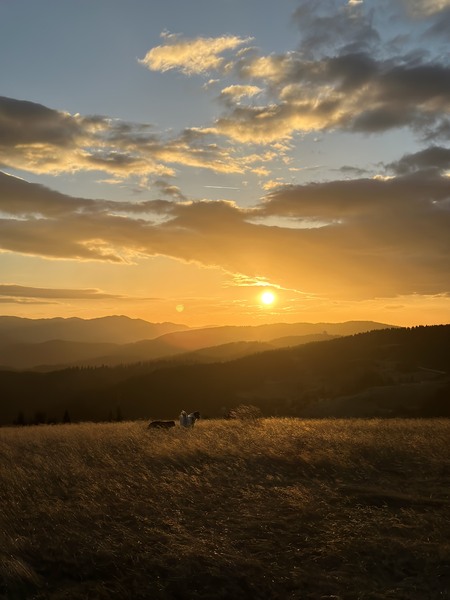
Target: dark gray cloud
353, 91
23, 122
406, 98
21, 198
169, 189
353, 171
420, 83
440, 26
350, 71
361, 199
433, 158
330, 26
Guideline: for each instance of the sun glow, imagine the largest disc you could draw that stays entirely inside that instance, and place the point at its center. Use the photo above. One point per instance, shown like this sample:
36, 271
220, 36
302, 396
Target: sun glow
267, 298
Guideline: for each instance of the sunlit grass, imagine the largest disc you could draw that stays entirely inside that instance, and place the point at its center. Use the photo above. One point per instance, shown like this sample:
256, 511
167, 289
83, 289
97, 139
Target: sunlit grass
276, 508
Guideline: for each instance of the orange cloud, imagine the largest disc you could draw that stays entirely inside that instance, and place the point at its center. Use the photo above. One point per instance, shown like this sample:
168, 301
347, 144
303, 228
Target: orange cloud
371, 237
426, 7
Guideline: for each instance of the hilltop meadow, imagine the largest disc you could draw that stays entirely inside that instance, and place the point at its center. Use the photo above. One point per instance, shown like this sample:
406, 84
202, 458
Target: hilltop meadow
281, 508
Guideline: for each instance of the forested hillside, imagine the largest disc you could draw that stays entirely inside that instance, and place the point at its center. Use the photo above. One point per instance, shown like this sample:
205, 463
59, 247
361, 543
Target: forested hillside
390, 372
50, 344
117, 329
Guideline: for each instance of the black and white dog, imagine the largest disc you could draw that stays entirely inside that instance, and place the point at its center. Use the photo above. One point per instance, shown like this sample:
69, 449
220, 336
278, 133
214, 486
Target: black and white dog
188, 420
161, 424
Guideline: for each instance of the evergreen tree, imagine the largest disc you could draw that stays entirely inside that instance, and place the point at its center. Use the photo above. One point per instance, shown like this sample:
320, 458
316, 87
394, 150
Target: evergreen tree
39, 418
20, 420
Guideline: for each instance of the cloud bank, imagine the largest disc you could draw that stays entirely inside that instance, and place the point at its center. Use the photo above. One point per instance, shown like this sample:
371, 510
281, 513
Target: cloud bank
347, 238
41, 140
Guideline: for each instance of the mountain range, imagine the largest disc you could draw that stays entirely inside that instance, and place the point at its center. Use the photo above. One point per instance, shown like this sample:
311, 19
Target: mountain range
49, 344
391, 372
383, 372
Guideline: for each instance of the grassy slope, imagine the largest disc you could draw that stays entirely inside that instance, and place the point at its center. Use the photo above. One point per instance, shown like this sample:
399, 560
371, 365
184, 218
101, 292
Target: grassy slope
282, 508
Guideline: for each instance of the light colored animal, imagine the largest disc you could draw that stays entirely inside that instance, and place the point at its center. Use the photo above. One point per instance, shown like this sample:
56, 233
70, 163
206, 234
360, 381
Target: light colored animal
184, 419
188, 420
192, 417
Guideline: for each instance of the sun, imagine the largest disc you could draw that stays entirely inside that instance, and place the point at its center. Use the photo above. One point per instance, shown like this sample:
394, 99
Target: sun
267, 298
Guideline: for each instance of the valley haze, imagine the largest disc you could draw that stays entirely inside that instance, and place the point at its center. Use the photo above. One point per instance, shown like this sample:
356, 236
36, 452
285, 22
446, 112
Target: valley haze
32, 343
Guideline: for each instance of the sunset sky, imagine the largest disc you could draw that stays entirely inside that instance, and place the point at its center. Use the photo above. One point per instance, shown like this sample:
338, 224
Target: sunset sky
173, 160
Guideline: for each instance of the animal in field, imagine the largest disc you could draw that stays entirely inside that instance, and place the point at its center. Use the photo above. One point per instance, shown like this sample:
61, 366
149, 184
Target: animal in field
192, 417
161, 424
188, 420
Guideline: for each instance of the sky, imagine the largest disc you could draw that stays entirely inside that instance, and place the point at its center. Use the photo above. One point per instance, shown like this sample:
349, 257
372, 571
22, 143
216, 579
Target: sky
175, 160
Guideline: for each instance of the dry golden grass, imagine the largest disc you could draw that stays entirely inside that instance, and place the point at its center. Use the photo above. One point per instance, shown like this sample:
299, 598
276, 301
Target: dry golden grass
279, 508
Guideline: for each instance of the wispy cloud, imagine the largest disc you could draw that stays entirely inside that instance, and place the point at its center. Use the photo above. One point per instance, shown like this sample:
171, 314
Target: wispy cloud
221, 187
435, 158
235, 93
11, 291
191, 56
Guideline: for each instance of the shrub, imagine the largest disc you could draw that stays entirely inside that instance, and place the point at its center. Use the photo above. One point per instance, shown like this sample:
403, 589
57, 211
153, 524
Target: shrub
245, 412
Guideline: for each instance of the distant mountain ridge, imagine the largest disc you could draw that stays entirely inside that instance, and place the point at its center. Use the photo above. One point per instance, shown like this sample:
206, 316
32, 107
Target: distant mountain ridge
58, 343
117, 329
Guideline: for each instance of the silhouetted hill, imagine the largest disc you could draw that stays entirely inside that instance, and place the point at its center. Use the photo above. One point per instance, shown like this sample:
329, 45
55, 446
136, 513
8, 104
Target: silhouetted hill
193, 342
156, 345
194, 339
291, 381
390, 372
225, 352
54, 352
114, 329
296, 340
234, 350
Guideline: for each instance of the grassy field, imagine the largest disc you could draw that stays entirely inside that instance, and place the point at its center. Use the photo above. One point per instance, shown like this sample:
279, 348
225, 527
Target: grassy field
277, 508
